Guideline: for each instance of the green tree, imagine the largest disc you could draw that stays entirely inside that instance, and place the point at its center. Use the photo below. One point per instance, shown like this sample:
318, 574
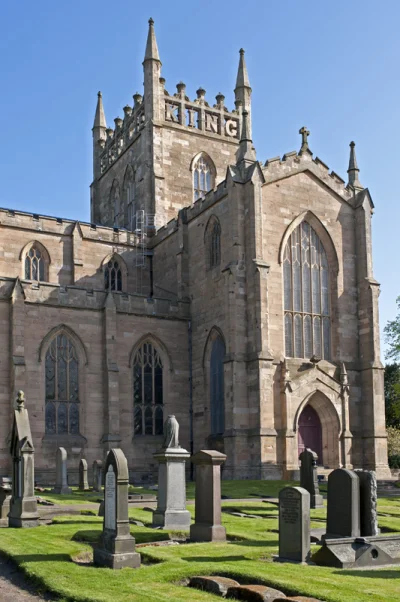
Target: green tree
392, 395
392, 336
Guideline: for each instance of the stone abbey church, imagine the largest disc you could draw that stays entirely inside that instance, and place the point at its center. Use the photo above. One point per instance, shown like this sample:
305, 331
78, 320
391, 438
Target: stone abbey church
237, 295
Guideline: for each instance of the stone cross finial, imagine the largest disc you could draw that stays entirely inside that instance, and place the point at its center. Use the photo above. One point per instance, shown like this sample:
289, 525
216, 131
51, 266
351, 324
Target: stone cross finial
20, 400
304, 139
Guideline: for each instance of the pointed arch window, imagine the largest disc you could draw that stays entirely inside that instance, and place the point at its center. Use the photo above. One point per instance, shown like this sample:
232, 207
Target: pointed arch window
203, 176
306, 295
36, 264
217, 391
62, 387
213, 243
113, 275
148, 414
130, 199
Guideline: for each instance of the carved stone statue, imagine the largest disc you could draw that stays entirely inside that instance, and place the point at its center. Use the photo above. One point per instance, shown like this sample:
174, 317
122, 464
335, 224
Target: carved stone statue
171, 430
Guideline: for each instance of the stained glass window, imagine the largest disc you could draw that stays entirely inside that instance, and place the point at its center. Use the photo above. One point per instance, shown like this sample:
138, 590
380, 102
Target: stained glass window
62, 387
202, 177
306, 295
113, 276
217, 387
35, 267
148, 415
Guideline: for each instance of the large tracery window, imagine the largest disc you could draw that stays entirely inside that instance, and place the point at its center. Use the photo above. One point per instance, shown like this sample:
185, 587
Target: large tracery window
203, 177
306, 295
148, 391
113, 276
62, 387
35, 264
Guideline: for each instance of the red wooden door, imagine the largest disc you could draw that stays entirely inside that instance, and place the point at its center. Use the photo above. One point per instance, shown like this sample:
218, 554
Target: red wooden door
310, 432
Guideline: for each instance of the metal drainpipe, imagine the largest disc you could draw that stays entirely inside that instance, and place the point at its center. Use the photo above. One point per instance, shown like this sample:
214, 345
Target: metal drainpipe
190, 395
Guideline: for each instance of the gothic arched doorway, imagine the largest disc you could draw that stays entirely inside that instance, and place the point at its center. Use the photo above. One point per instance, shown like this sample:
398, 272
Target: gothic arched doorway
310, 432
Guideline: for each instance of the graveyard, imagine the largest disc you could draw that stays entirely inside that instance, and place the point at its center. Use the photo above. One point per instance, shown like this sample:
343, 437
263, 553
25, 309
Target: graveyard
243, 540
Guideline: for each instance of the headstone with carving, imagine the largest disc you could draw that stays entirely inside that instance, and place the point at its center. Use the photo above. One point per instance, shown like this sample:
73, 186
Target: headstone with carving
171, 510
294, 524
309, 477
5, 498
368, 503
62, 473
83, 479
23, 504
97, 475
343, 515
117, 545
207, 526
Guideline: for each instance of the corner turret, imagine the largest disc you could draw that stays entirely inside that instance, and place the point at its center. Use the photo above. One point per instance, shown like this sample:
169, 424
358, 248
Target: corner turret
99, 135
152, 72
353, 170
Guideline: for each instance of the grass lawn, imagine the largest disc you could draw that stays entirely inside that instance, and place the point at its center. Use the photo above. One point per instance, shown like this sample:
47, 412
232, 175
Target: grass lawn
230, 489
47, 555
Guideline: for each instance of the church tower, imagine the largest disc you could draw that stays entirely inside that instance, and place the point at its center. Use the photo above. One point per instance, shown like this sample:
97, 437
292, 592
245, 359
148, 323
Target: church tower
167, 151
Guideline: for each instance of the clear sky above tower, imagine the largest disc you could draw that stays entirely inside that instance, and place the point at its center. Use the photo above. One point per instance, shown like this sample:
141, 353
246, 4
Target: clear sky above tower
331, 67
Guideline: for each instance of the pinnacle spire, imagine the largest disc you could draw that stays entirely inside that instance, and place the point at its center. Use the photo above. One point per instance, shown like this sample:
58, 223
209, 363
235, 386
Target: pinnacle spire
151, 53
353, 169
99, 118
245, 151
242, 79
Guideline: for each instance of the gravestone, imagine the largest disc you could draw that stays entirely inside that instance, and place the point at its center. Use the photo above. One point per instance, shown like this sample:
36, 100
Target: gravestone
61, 473
207, 526
83, 480
23, 504
294, 524
5, 498
117, 544
97, 475
171, 510
309, 477
343, 515
368, 502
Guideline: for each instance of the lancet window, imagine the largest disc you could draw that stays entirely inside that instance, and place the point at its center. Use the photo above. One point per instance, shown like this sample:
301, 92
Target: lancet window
148, 391
36, 264
113, 275
203, 176
306, 295
62, 387
217, 387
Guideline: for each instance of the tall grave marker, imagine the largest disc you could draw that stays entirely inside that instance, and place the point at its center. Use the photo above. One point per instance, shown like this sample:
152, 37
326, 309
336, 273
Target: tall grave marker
83, 480
97, 475
309, 477
343, 516
368, 503
171, 510
61, 473
23, 505
118, 546
294, 524
207, 526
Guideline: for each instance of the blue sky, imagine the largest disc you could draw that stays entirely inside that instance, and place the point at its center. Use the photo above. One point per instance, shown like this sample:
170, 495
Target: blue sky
332, 66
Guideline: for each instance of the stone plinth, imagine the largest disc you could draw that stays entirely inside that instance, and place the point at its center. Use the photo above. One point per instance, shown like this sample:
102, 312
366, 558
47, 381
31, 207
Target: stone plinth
23, 504
343, 515
117, 544
309, 477
171, 510
62, 473
294, 524
83, 478
207, 526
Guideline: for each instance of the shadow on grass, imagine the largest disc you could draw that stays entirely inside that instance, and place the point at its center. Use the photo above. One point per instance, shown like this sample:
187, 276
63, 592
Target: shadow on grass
57, 522
375, 574
251, 543
214, 558
87, 536
24, 558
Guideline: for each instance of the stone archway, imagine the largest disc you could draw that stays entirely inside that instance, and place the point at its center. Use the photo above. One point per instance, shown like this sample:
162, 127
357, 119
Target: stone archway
319, 409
